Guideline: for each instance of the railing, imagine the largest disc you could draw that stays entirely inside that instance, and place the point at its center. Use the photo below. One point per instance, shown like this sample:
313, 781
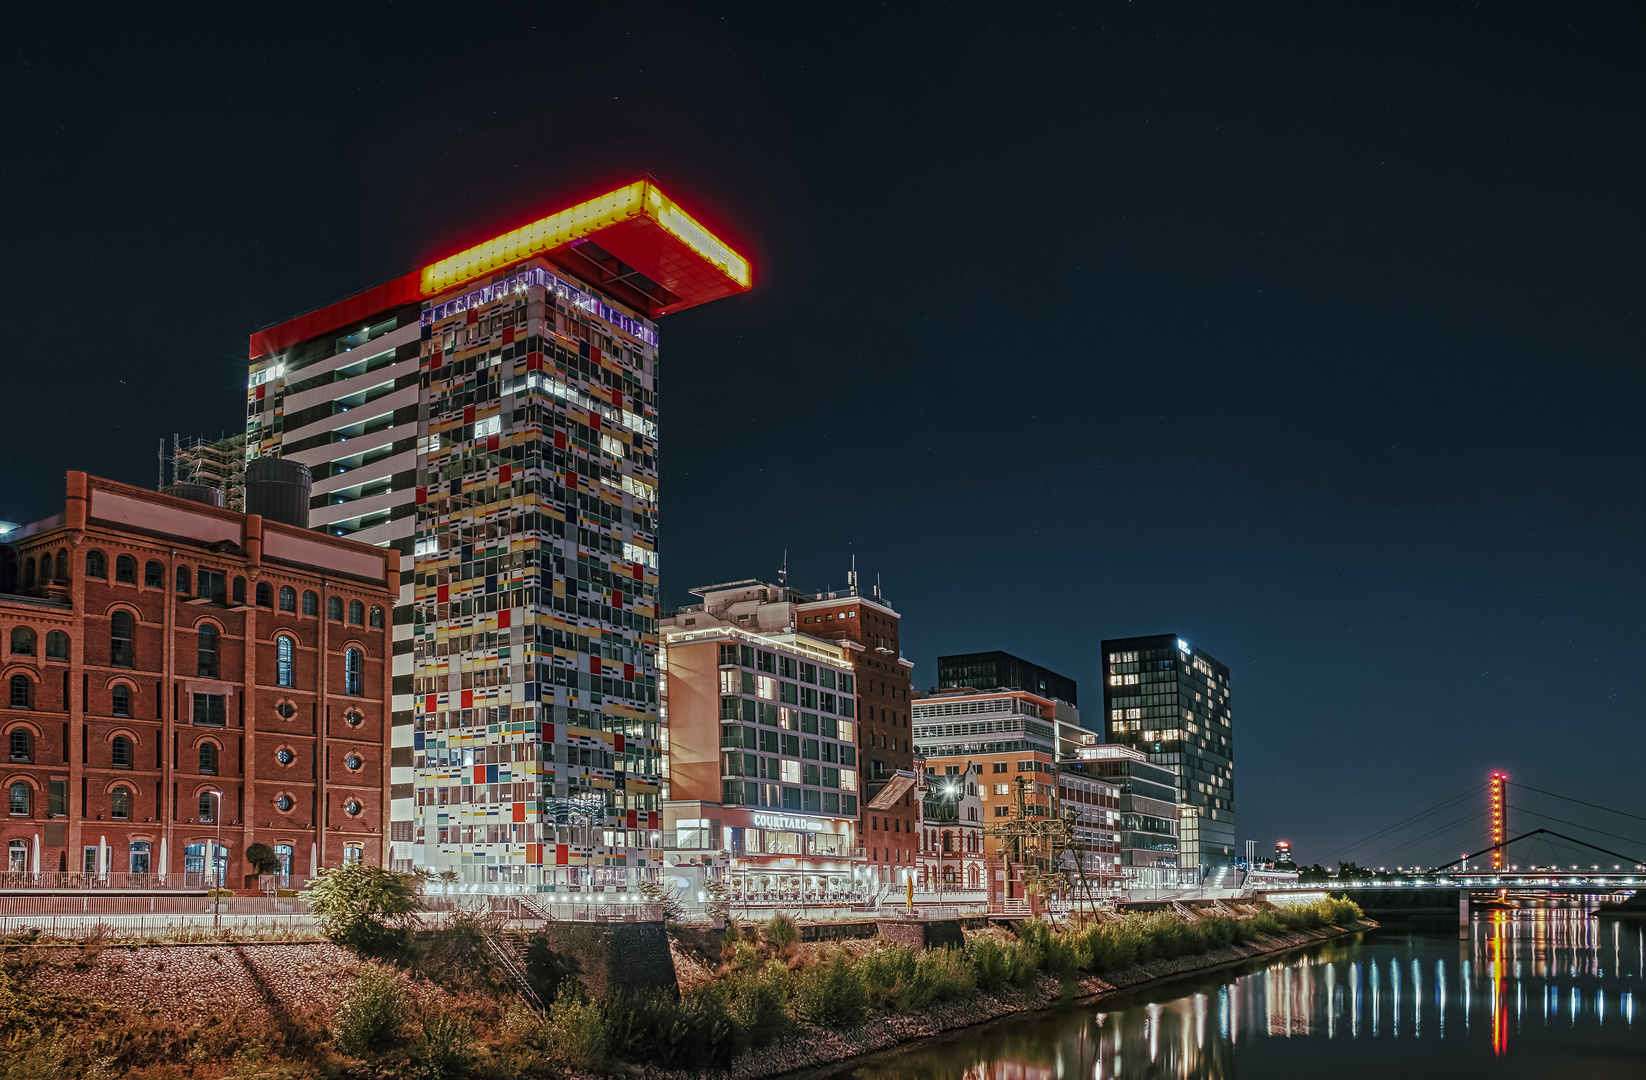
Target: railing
506, 956
550, 907
184, 881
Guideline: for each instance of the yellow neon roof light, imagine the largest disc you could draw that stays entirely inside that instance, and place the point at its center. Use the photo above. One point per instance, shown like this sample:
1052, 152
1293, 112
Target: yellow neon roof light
641, 198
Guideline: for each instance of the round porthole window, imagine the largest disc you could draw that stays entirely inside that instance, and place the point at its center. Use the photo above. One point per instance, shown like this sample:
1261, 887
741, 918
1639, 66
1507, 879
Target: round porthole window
354, 719
284, 755
353, 808
354, 761
284, 803
286, 710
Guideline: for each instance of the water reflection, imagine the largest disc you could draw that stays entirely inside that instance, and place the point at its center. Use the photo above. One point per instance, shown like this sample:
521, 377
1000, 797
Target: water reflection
1555, 984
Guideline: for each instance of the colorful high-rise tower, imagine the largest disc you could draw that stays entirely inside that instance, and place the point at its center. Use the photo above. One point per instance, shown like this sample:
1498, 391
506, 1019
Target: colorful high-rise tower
493, 417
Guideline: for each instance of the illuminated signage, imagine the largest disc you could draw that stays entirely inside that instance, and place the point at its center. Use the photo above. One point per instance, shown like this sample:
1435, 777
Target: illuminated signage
639, 199
784, 821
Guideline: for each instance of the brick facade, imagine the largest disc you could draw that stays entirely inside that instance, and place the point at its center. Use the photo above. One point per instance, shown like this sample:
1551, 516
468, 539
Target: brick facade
153, 673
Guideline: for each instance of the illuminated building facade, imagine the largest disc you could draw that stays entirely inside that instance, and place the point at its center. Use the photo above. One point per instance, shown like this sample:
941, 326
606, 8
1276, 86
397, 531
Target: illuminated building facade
1148, 812
1170, 700
493, 418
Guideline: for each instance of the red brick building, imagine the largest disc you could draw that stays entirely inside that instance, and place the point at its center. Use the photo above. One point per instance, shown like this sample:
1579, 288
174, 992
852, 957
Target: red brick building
165, 664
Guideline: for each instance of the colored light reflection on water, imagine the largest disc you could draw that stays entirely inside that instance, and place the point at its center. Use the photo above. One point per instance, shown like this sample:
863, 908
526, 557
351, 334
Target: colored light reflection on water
1543, 992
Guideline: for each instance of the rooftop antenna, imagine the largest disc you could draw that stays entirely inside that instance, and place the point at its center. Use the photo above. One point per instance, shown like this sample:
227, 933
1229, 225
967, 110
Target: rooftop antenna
783, 574
877, 585
851, 578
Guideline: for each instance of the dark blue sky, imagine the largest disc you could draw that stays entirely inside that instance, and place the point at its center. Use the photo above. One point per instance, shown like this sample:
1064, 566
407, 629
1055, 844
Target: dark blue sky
1312, 337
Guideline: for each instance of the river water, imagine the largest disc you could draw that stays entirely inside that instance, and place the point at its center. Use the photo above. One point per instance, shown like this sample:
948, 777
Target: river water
1547, 993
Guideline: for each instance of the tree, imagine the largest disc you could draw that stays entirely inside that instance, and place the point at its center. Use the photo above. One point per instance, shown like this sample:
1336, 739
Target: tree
262, 859
367, 908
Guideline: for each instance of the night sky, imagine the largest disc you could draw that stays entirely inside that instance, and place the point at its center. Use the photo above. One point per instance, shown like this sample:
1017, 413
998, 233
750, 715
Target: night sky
1314, 338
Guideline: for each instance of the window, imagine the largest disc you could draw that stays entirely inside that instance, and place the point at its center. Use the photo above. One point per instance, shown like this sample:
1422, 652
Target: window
120, 752
154, 575
284, 803
120, 804
376, 617
285, 755
334, 608
353, 762
125, 569
20, 691
120, 650
22, 744
97, 565
208, 759
357, 613
352, 718
239, 590
311, 603
211, 586
206, 652
139, 856
209, 710
208, 807
28, 573
354, 681
283, 661
21, 798
22, 641
62, 564
288, 598
264, 594
57, 645
184, 587
286, 710
353, 807
352, 854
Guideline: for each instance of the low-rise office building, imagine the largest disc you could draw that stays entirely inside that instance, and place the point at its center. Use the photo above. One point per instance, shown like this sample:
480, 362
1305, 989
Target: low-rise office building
1148, 813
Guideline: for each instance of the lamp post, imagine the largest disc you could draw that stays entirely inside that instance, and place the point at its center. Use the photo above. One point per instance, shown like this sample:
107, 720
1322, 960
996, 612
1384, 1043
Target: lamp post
216, 850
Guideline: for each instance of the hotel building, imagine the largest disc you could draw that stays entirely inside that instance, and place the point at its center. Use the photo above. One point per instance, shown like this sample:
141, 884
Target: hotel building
177, 675
493, 418
1170, 700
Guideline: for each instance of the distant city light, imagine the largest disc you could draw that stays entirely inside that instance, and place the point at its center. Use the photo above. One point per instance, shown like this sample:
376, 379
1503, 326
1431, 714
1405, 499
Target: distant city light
7, 526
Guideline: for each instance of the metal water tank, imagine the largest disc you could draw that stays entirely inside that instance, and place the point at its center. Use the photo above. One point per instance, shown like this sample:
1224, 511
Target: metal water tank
278, 488
200, 493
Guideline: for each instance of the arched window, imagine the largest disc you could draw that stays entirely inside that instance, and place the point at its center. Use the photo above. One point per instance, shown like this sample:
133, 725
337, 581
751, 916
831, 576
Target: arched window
265, 595
376, 617
288, 598
357, 613
334, 608
22, 799
208, 758
311, 603
154, 575
62, 564
120, 699
354, 679
239, 590
22, 641
57, 645
96, 565
20, 691
28, 572
948, 842
208, 805
283, 673
120, 650
120, 804
185, 586
125, 569
120, 752
22, 744
206, 651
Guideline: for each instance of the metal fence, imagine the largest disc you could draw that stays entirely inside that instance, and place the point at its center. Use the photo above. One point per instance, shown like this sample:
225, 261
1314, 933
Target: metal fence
58, 882
72, 927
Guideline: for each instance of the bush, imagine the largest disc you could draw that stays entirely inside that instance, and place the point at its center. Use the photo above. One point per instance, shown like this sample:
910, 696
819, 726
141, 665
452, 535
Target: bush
782, 932
830, 994
887, 975
262, 858
366, 908
373, 1011
445, 1050
999, 964
576, 1031
945, 974
458, 957
759, 1000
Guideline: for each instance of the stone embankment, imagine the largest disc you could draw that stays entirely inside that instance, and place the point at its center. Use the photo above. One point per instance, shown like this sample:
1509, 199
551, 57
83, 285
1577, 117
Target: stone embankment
815, 1052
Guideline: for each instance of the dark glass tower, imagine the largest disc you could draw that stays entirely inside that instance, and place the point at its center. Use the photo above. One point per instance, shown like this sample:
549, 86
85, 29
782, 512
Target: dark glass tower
1170, 700
994, 670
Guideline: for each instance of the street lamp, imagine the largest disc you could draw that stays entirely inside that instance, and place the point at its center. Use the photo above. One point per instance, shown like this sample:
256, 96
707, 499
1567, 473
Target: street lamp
216, 854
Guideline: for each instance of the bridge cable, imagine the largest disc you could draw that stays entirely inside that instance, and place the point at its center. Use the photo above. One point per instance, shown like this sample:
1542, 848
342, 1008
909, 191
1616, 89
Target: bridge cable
1547, 832
1470, 816
1580, 802
1404, 822
1575, 825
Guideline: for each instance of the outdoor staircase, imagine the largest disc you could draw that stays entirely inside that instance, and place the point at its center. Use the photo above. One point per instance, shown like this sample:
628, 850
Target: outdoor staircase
503, 947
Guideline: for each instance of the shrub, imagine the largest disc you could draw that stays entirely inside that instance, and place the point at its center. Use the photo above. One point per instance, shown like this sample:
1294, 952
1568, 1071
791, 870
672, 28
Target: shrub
759, 1000
999, 964
262, 858
745, 956
373, 1011
830, 994
365, 907
946, 974
782, 932
576, 1031
445, 1050
887, 975
458, 956
653, 1026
